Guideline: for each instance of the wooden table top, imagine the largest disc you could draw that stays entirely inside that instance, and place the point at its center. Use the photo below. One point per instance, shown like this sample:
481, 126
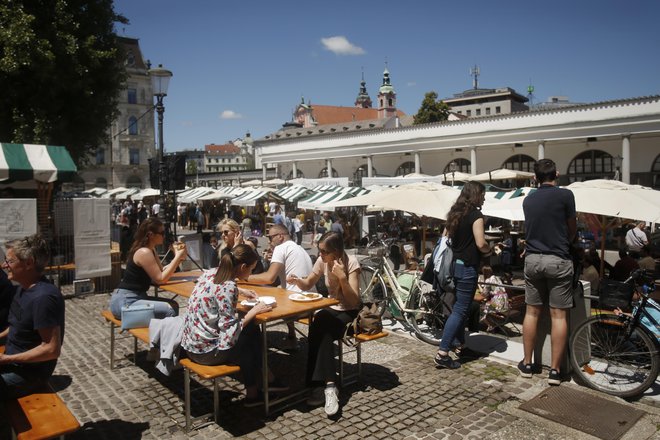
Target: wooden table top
179, 284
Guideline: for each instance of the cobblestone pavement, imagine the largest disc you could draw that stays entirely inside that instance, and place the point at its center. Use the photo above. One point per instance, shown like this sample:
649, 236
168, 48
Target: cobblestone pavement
402, 394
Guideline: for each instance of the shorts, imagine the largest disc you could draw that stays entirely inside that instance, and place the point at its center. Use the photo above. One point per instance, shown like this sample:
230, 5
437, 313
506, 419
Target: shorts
548, 280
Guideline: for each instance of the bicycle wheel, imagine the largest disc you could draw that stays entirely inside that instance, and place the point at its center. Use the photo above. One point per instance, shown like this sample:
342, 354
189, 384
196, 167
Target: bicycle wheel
373, 289
606, 359
427, 318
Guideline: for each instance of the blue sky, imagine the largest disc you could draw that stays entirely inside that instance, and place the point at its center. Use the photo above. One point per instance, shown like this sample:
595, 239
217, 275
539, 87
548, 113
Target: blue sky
244, 65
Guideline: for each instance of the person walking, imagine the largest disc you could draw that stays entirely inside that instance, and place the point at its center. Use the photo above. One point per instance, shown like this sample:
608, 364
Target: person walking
465, 228
551, 226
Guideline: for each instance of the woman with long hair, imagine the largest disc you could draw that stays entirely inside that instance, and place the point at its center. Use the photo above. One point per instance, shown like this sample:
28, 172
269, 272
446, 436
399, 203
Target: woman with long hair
213, 333
465, 228
143, 268
341, 278
230, 232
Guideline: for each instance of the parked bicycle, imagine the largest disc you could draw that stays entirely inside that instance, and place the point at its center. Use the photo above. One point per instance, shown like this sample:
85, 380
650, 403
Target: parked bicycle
617, 353
407, 298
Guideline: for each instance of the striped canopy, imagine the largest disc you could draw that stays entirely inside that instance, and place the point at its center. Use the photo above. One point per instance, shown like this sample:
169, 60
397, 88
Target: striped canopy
43, 163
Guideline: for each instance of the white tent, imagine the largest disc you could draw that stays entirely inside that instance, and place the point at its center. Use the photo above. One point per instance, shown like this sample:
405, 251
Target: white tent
502, 174
146, 192
226, 192
253, 182
251, 196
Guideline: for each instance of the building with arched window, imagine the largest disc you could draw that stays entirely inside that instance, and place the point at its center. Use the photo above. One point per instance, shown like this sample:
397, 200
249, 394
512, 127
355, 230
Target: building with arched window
612, 139
124, 161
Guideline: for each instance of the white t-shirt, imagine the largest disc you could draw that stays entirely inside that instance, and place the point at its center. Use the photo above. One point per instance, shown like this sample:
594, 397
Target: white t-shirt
295, 260
636, 239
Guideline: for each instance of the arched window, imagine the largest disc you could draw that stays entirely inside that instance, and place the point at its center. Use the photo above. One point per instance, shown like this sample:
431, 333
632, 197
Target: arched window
133, 182
101, 183
592, 164
520, 162
462, 165
655, 171
324, 173
405, 168
299, 175
362, 172
132, 126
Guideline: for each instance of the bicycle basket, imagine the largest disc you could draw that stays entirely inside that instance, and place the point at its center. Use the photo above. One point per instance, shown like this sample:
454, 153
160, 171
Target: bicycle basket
615, 294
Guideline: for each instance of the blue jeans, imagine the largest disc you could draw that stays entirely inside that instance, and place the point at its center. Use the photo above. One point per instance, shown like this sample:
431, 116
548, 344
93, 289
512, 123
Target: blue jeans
466, 285
17, 381
163, 307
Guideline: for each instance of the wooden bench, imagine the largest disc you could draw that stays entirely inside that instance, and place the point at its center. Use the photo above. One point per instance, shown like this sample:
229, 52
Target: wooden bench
114, 323
355, 342
207, 372
41, 415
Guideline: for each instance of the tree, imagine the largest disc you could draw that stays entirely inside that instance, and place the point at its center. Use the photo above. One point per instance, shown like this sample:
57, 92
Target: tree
61, 70
432, 110
191, 167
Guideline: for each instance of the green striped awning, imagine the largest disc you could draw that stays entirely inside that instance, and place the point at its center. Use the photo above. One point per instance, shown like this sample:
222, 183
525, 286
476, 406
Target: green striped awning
44, 163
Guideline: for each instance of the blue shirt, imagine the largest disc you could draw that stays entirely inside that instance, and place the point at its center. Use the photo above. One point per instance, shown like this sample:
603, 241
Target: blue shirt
547, 211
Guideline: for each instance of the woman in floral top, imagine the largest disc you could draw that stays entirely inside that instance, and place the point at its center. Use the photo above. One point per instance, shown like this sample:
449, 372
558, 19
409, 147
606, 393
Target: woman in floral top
495, 299
213, 333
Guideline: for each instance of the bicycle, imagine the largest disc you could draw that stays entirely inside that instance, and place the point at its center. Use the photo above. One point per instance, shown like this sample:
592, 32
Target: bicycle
616, 353
419, 306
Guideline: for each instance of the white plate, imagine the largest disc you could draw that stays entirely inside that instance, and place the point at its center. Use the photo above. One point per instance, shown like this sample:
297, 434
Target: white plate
268, 300
305, 296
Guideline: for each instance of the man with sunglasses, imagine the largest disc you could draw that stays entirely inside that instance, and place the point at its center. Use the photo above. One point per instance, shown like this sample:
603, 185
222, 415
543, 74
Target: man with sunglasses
36, 320
288, 259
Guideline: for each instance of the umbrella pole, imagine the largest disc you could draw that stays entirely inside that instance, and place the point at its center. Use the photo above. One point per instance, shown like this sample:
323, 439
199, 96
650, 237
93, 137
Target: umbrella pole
423, 247
603, 231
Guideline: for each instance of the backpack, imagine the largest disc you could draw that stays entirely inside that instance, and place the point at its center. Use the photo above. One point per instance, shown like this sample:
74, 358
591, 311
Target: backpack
443, 266
368, 321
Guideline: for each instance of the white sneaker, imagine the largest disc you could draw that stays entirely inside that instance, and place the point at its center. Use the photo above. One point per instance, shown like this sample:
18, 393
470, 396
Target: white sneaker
331, 400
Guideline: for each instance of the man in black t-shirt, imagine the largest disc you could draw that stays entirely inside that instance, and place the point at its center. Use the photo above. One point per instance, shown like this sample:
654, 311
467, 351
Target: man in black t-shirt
36, 320
550, 227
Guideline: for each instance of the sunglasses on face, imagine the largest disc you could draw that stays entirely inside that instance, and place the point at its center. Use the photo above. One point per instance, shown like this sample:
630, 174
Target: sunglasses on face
324, 251
160, 232
226, 232
270, 237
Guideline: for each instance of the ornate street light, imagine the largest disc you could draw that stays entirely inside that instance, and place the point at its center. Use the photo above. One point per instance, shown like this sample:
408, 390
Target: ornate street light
618, 161
160, 80
453, 166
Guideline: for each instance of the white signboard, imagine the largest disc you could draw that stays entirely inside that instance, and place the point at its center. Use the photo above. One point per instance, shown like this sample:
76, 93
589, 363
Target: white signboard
18, 219
91, 242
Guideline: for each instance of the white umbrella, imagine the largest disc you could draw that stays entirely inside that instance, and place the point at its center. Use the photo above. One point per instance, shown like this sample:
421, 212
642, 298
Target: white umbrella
502, 174
253, 182
456, 176
424, 199
617, 199
274, 182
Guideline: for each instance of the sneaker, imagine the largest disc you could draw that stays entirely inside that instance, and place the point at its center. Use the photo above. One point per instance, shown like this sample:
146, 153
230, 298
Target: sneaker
525, 369
316, 397
331, 400
445, 362
289, 344
553, 377
251, 402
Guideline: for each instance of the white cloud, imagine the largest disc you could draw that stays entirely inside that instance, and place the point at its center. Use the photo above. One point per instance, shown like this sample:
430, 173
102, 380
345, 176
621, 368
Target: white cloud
339, 45
230, 114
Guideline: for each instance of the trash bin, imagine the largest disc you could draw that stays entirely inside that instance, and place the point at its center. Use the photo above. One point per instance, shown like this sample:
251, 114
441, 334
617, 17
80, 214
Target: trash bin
577, 315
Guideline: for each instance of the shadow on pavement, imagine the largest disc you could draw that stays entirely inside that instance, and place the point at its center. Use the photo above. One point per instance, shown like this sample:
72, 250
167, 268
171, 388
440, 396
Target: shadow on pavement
118, 429
60, 382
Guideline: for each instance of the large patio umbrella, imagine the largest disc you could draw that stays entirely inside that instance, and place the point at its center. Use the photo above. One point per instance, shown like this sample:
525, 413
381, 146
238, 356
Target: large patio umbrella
502, 174
612, 198
423, 199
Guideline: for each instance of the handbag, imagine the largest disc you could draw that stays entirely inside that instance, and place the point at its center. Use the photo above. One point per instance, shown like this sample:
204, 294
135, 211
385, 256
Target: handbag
136, 316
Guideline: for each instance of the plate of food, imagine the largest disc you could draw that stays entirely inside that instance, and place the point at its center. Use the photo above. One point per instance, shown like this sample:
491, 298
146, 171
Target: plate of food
268, 300
305, 296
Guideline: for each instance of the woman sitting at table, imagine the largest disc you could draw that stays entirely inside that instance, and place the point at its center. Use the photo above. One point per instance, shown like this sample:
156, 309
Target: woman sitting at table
230, 232
213, 334
143, 269
341, 278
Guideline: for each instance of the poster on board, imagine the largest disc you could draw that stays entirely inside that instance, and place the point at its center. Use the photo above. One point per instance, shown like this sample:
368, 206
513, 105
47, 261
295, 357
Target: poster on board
91, 227
18, 219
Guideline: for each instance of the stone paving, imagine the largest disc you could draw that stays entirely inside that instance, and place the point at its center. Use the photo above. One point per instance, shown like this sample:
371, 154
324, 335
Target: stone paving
402, 394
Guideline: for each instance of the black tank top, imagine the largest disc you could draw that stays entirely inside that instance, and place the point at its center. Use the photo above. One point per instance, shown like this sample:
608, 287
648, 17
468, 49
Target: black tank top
135, 278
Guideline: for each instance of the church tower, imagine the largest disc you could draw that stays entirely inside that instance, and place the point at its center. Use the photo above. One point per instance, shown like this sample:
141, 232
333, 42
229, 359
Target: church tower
386, 98
363, 100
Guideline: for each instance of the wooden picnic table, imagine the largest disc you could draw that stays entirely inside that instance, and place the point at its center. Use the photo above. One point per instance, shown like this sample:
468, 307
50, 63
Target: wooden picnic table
284, 309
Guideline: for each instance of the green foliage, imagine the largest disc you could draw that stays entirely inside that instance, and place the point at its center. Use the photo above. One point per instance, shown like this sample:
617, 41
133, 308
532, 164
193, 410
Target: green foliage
431, 110
191, 167
61, 70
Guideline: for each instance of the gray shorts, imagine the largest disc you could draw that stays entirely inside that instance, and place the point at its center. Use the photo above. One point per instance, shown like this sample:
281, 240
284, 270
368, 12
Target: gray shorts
548, 280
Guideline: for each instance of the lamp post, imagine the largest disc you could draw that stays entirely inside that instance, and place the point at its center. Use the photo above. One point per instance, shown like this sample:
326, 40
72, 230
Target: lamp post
160, 80
618, 160
452, 168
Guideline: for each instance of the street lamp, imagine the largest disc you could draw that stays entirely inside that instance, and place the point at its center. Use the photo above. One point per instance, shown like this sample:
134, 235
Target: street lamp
618, 160
452, 167
160, 80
